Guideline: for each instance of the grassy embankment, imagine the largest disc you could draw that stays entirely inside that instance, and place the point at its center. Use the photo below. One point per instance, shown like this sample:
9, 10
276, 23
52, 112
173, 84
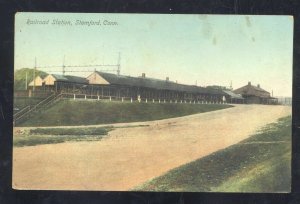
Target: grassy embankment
68, 112
22, 102
58, 135
261, 163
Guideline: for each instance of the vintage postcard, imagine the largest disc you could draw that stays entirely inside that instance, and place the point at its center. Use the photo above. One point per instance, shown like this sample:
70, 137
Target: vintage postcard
152, 102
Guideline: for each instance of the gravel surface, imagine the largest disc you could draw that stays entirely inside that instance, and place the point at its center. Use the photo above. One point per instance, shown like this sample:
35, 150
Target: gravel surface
129, 156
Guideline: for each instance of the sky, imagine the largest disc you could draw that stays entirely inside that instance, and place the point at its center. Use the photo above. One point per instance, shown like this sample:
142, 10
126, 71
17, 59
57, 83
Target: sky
190, 49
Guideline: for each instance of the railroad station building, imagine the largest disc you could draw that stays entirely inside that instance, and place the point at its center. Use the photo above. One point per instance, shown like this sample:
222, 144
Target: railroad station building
104, 85
255, 95
121, 87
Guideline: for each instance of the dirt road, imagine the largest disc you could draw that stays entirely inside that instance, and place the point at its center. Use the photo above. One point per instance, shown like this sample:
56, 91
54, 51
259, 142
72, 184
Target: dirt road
130, 156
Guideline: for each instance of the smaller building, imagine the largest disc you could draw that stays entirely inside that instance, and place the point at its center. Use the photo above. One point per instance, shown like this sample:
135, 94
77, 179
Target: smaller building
231, 97
58, 83
255, 95
38, 81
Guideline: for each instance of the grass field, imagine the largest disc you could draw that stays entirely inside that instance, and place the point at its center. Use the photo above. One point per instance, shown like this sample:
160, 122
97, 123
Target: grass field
70, 112
58, 135
261, 163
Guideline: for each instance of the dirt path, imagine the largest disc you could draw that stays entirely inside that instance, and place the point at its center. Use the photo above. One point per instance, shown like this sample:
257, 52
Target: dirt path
130, 156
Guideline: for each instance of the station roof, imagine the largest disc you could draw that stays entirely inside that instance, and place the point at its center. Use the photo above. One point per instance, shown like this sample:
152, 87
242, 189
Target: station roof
154, 83
233, 95
71, 79
250, 90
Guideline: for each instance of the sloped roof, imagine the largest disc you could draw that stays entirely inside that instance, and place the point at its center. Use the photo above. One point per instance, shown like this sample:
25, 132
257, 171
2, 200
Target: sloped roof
68, 78
59, 77
252, 91
233, 95
36, 79
77, 79
153, 83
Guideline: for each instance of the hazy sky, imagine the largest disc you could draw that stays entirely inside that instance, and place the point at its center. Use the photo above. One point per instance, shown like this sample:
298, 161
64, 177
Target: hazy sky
209, 49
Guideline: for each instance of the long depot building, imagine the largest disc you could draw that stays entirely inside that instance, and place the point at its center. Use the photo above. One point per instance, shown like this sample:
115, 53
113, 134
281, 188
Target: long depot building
108, 85
101, 83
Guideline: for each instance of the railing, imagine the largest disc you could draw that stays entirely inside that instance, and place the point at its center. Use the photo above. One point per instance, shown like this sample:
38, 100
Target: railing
43, 102
54, 98
27, 110
133, 99
89, 96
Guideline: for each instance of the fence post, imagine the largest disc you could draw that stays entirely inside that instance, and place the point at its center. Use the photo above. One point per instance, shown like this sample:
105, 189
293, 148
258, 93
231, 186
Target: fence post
84, 97
122, 99
152, 100
131, 100
109, 98
158, 100
98, 97
74, 96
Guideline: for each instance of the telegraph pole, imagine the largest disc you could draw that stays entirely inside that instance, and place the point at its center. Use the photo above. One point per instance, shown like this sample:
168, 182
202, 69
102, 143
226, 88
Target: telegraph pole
119, 66
26, 81
33, 89
63, 66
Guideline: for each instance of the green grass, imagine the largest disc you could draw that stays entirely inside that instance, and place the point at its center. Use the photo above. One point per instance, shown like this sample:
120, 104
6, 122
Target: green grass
58, 135
69, 112
22, 102
273, 175
71, 131
261, 163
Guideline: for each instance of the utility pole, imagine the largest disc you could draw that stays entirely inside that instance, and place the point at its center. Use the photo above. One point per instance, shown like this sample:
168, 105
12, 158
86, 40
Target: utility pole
63, 66
33, 89
26, 81
119, 65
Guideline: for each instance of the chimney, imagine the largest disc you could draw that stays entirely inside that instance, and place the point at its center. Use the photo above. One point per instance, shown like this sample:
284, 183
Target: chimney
249, 83
167, 78
258, 86
143, 75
